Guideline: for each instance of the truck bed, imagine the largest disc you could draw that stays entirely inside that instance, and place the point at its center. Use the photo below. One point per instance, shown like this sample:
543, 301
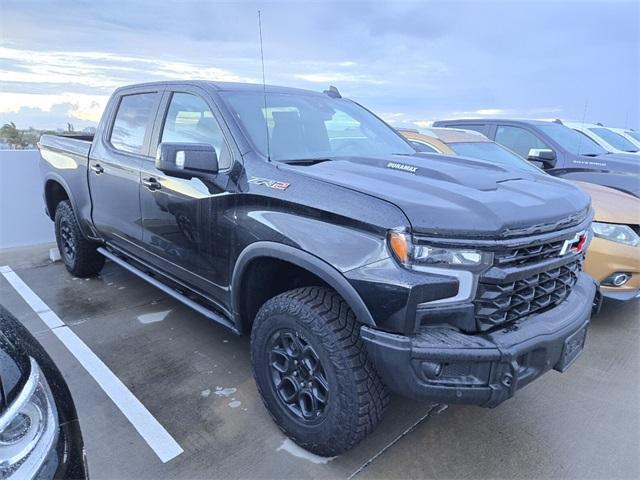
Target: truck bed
77, 145
64, 167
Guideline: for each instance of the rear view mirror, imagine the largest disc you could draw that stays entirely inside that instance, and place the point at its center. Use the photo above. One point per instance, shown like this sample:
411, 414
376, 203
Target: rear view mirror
186, 160
545, 156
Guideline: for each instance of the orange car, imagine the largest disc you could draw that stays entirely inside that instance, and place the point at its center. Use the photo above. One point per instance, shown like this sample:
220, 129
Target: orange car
613, 258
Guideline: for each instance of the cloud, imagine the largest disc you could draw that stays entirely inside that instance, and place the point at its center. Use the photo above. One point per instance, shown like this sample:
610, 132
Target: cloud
490, 111
335, 77
508, 112
85, 107
402, 120
54, 117
99, 70
429, 61
392, 116
423, 123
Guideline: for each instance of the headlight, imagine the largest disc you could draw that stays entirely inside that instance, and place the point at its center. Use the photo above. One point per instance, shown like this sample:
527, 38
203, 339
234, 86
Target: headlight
616, 233
411, 255
28, 428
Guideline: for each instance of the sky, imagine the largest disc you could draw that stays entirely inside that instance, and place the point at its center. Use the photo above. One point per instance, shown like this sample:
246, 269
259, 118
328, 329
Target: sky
410, 62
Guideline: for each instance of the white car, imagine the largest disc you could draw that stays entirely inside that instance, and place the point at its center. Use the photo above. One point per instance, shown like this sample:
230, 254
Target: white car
629, 134
605, 137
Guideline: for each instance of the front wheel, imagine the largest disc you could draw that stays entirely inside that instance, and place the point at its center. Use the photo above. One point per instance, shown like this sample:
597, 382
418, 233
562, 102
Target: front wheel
78, 254
312, 370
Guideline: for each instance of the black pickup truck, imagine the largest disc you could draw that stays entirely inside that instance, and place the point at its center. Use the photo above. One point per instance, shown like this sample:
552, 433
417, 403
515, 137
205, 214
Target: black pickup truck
356, 264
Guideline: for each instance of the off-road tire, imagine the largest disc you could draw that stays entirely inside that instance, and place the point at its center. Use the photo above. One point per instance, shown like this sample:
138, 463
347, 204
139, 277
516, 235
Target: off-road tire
85, 261
357, 397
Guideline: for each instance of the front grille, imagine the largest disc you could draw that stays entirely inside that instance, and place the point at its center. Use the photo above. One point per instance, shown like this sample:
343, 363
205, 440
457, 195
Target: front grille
499, 303
529, 253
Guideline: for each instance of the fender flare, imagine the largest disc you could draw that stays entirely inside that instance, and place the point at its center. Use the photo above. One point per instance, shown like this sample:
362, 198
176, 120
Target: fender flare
54, 177
300, 258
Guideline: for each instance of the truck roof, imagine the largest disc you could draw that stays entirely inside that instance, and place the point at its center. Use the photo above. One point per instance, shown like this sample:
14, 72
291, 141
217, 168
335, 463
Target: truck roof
223, 86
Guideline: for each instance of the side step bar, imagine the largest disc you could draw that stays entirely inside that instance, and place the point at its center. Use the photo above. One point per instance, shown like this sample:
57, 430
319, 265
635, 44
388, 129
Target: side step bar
210, 314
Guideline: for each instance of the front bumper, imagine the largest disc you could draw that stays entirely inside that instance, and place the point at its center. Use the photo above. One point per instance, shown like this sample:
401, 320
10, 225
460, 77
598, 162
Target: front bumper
445, 365
605, 257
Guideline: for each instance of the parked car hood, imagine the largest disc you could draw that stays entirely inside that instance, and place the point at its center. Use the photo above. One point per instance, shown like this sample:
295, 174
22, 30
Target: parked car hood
612, 206
457, 196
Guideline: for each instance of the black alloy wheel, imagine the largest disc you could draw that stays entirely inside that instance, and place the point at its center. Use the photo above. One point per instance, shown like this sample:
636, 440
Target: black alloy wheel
298, 376
313, 372
79, 254
67, 243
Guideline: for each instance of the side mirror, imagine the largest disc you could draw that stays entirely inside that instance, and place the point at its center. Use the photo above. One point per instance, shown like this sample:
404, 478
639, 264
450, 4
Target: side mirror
545, 156
186, 160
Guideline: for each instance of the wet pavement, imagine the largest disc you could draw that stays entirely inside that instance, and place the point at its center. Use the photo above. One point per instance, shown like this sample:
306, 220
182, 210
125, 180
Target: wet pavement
195, 378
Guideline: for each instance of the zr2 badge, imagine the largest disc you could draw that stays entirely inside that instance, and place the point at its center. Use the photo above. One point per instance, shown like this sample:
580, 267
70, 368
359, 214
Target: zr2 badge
276, 185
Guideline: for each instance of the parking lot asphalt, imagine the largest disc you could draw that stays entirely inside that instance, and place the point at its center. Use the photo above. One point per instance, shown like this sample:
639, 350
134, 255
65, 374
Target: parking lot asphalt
195, 378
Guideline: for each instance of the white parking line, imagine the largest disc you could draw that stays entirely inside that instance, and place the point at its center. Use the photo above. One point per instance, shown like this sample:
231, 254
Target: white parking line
160, 441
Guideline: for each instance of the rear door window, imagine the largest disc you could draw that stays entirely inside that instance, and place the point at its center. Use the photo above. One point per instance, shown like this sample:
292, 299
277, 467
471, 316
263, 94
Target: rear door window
133, 122
518, 140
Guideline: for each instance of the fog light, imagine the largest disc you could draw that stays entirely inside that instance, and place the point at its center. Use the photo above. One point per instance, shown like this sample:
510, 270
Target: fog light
617, 279
431, 370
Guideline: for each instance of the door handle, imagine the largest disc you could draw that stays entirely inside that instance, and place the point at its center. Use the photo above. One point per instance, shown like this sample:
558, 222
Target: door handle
151, 183
97, 168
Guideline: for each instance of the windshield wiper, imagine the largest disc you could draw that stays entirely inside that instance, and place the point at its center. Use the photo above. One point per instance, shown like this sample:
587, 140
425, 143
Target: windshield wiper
305, 161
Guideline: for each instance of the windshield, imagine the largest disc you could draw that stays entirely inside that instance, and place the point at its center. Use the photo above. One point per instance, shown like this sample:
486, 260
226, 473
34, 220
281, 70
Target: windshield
614, 139
493, 153
312, 126
572, 141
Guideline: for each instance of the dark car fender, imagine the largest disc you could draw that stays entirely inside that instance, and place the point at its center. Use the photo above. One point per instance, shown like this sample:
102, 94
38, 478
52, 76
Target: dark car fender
309, 262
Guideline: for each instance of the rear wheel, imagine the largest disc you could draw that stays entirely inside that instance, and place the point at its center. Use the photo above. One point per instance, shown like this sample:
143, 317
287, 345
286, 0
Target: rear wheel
78, 254
312, 370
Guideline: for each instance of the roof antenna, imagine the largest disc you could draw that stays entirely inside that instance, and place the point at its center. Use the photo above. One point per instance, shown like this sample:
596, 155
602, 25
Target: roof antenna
264, 88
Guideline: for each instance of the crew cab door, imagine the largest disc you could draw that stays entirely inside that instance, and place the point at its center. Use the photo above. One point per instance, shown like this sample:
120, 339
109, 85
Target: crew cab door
188, 224
114, 168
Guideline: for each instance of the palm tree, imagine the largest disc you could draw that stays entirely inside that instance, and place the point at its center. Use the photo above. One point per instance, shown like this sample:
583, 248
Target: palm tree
12, 135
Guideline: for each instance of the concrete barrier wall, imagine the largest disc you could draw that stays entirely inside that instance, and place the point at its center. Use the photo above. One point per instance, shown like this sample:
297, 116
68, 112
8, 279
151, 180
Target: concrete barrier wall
22, 218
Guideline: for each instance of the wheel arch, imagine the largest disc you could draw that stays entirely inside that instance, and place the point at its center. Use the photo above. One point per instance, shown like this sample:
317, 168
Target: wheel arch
264, 250
55, 191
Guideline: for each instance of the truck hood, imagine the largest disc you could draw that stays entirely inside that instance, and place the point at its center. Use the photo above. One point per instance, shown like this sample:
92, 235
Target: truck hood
456, 196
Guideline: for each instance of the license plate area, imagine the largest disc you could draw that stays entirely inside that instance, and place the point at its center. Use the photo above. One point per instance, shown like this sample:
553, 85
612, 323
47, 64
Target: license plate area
573, 345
